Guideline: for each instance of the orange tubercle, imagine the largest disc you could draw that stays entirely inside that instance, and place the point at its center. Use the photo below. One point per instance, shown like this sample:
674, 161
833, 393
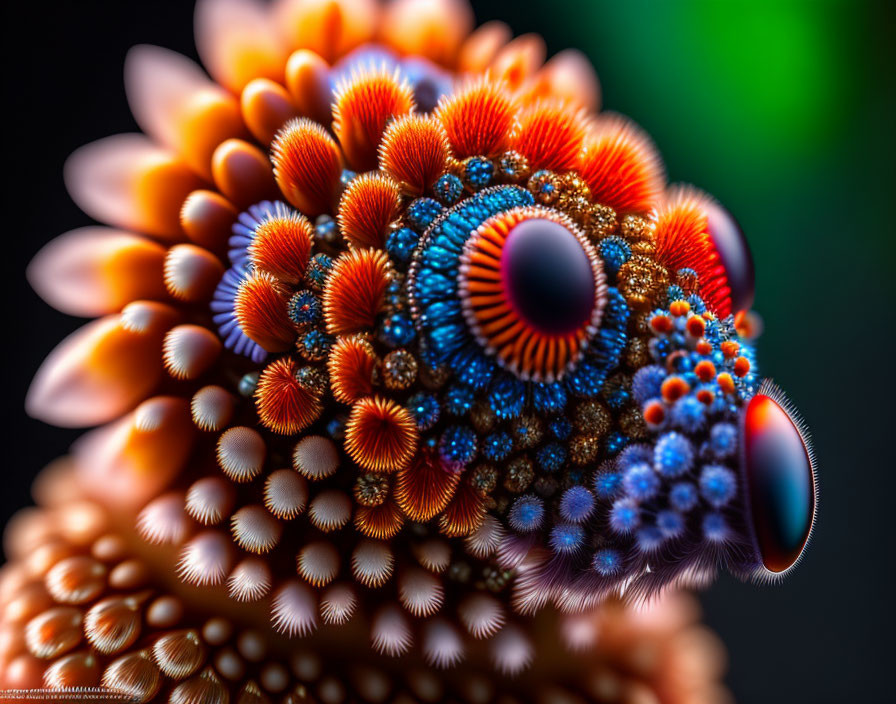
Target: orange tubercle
414, 152
477, 119
284, 406
550, 135
355, 291
351, 364
282, 246
369, 204
307, 166
425, 487
380, 435
380, 522
674, 388
361, 109
260, 308
621, 167
464, 514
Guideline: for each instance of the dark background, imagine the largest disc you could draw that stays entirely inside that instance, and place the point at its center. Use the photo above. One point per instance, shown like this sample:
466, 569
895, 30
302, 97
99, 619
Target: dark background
782, 109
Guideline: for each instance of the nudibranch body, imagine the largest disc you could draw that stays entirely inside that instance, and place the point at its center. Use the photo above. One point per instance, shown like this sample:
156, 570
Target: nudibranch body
412, 331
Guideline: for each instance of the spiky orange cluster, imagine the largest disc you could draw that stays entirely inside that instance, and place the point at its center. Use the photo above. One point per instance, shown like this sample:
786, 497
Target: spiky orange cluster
260, 386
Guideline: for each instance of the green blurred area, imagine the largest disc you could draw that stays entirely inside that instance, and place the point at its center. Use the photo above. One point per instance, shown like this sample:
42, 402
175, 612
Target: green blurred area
784, 110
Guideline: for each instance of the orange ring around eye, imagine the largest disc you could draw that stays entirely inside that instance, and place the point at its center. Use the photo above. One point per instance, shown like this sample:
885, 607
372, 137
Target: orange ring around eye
533, 291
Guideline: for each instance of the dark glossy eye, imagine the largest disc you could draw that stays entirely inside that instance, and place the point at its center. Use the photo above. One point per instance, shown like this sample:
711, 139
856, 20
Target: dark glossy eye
734, 252
533, 291
780, 479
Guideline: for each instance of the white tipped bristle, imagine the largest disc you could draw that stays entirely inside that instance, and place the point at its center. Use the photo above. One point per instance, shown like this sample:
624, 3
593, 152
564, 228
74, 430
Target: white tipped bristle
372, 563
76, 580
579, 631
241, 452
482, 615
442, 644
250, 580
420, 592
53, 632
113, 624
179, 654
189, 350
164, 520
511, 650
318, 563
316, 457
285, 493
434, 555
205, 559
390, 632
134, 674
209, 500
338, 603
330, 510
211, 408
254, 529
294, 609
484, 541
512, 550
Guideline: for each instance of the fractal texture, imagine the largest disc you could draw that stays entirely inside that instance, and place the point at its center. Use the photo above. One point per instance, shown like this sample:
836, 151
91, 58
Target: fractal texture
410, 380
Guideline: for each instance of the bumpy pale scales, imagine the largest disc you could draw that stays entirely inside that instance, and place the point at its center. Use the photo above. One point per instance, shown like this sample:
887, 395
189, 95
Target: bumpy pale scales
415, 351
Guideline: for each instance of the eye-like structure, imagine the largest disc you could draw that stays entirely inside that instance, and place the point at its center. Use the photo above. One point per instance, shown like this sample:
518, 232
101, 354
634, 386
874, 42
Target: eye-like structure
533, 291
779, 472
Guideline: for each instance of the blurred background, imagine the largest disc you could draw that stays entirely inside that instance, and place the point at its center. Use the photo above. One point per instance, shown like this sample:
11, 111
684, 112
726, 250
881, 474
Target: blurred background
783, 109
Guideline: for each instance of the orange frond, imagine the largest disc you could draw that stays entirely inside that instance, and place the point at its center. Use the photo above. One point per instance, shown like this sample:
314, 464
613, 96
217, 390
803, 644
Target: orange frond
351, 364
307, 166
481, 47
683, 241
282, 246
621, 166
380, 435
369, 204
550, 135
478, 119
260, 308
381, 522
308, 82
519, 59
355, 290
414, 152
464, 514
331, 28
361, 109
425, 487
283, 404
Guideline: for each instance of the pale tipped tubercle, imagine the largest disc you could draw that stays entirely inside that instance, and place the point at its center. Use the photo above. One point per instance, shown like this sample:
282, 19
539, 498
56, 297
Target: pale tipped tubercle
318, 563
206, 559
250, 580
315, 457
372, 563
420, 592
211, 408
189, 350
254, 529
390, 631
164, 520
209, 500
338, 603
285, 494
330, 510
294, 609
241, 453
191, 273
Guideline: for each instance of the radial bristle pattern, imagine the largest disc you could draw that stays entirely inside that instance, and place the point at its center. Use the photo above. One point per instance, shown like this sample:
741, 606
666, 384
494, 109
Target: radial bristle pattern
307, 166
414, 152
260, 308
380, 435
351, 365
282, 245
478, 119
284, 405
355, 291
369, 204
621, 166
362, 108
550, 135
